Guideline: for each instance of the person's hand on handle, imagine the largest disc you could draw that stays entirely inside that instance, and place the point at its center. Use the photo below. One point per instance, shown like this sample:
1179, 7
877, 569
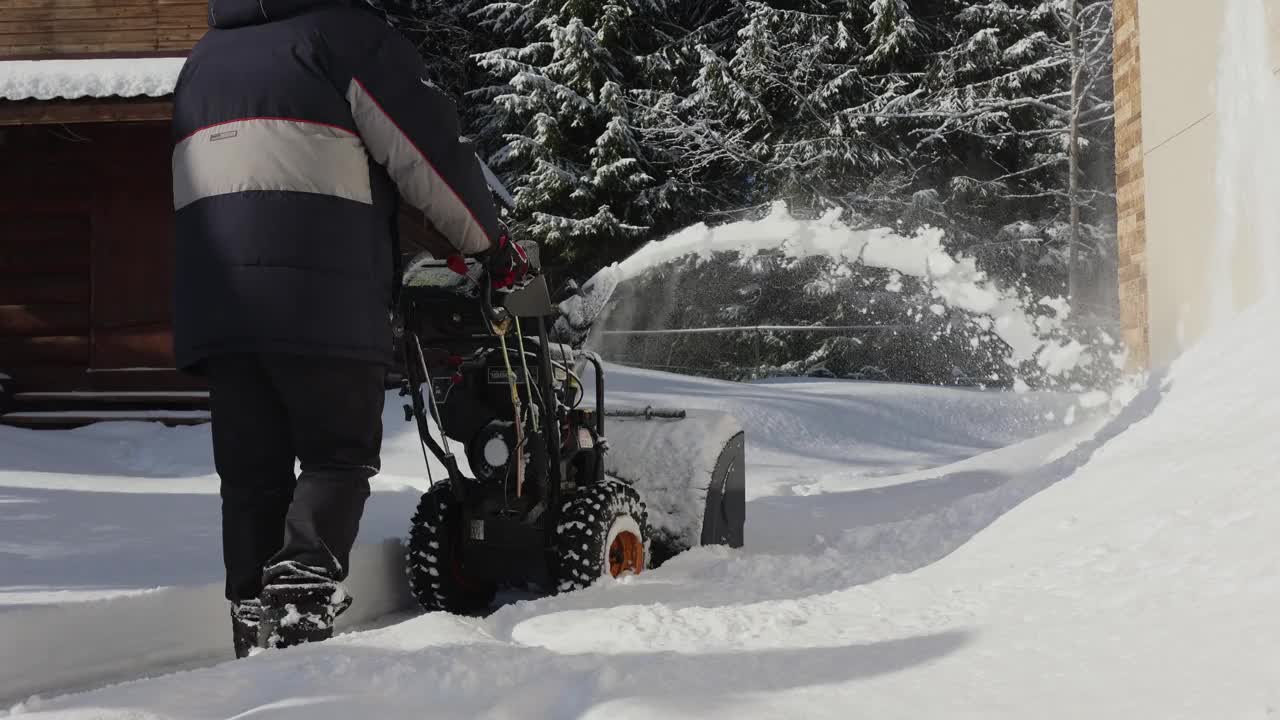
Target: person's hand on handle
507, 263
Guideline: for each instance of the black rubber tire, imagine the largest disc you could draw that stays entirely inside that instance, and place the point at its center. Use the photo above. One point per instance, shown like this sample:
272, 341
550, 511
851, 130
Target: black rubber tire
583, 535
433, 563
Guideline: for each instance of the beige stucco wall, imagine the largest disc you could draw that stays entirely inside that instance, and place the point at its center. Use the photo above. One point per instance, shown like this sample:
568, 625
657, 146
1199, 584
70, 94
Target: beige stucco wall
1180, 42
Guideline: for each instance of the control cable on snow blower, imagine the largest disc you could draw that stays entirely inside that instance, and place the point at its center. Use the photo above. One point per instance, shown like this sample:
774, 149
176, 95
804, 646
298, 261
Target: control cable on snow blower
515, 410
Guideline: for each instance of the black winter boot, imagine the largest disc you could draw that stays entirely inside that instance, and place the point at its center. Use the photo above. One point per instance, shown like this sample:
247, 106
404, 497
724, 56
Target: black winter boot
246, 617
300, 605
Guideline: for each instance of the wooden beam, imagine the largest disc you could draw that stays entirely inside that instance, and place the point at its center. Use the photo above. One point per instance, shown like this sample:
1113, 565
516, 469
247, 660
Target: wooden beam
118, 40
47, 28
19, 288
47, 378
84, 110
72, 420
93, 401
118, 55
47, 319
66, 351
59, 5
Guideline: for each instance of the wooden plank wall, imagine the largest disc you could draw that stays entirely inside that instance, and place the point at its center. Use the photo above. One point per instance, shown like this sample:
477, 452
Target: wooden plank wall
132, 265
44, 28
84, 110
45, 251
86, 252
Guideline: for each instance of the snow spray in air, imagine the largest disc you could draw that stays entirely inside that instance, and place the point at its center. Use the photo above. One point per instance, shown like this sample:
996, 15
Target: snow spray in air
1246, 245
1029, 330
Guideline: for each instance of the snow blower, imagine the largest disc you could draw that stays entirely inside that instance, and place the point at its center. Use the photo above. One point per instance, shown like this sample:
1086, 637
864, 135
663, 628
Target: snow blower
563, 489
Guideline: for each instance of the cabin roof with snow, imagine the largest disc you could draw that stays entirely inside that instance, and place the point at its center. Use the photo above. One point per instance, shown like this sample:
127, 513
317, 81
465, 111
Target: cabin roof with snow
59, 79
97, 60
102, 89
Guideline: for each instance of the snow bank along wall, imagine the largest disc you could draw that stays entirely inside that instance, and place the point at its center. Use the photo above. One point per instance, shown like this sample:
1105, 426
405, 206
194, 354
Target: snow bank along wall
1196, 144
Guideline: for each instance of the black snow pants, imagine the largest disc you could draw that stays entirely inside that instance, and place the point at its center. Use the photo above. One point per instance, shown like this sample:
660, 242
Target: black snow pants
268, 410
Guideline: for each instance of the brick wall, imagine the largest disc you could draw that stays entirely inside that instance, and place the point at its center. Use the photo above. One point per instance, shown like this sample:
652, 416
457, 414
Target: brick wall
1130, 183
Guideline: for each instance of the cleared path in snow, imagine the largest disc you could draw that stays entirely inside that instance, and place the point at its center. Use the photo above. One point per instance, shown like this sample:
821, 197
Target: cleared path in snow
1140, 581
93, 521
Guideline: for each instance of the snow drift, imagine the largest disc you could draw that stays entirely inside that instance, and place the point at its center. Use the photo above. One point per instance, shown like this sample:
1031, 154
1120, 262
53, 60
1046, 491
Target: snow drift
108, 535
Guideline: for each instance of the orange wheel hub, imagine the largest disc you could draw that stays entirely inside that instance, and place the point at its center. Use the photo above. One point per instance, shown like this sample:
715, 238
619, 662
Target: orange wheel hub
626, 554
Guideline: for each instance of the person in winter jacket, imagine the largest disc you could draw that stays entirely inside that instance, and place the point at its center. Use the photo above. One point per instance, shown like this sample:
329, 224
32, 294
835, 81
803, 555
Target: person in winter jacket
299, 127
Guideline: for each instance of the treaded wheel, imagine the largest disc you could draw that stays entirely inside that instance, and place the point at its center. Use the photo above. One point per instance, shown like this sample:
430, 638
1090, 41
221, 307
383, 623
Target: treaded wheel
603, 532
433, 561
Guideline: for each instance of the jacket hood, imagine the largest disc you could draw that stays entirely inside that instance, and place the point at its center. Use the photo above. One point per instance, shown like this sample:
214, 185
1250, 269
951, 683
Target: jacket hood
225, 14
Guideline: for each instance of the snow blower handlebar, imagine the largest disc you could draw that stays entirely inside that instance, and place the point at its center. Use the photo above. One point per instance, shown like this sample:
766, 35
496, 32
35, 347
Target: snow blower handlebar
688, 465
468, 312
509, 268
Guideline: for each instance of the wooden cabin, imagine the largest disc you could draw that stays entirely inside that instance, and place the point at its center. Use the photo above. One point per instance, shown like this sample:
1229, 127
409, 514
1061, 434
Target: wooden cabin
86, 211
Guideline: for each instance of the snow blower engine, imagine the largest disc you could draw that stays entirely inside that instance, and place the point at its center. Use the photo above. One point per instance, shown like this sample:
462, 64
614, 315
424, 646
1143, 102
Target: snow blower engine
551, 501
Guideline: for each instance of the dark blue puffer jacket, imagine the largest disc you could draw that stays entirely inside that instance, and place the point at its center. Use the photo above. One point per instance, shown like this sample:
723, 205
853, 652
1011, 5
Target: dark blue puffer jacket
299, 125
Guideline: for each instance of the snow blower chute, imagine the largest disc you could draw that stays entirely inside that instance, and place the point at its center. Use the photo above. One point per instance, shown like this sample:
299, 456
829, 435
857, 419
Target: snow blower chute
562, 489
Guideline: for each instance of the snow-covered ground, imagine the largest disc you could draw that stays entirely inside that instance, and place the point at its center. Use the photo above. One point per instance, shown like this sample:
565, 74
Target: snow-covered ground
121, 508
1140, 580
93, 521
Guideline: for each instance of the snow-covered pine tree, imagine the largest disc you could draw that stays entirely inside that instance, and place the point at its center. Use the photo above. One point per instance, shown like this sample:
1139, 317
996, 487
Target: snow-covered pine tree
705, 137
561, 112
779, 61
989, 121
763, 118
1049, 108
894, 37
446, 34
619, 122
763, 104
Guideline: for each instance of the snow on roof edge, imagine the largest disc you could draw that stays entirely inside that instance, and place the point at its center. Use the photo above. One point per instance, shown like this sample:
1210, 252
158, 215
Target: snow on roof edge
89, 78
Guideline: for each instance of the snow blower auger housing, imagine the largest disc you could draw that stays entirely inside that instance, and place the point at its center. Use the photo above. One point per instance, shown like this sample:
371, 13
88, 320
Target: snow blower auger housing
540, 507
